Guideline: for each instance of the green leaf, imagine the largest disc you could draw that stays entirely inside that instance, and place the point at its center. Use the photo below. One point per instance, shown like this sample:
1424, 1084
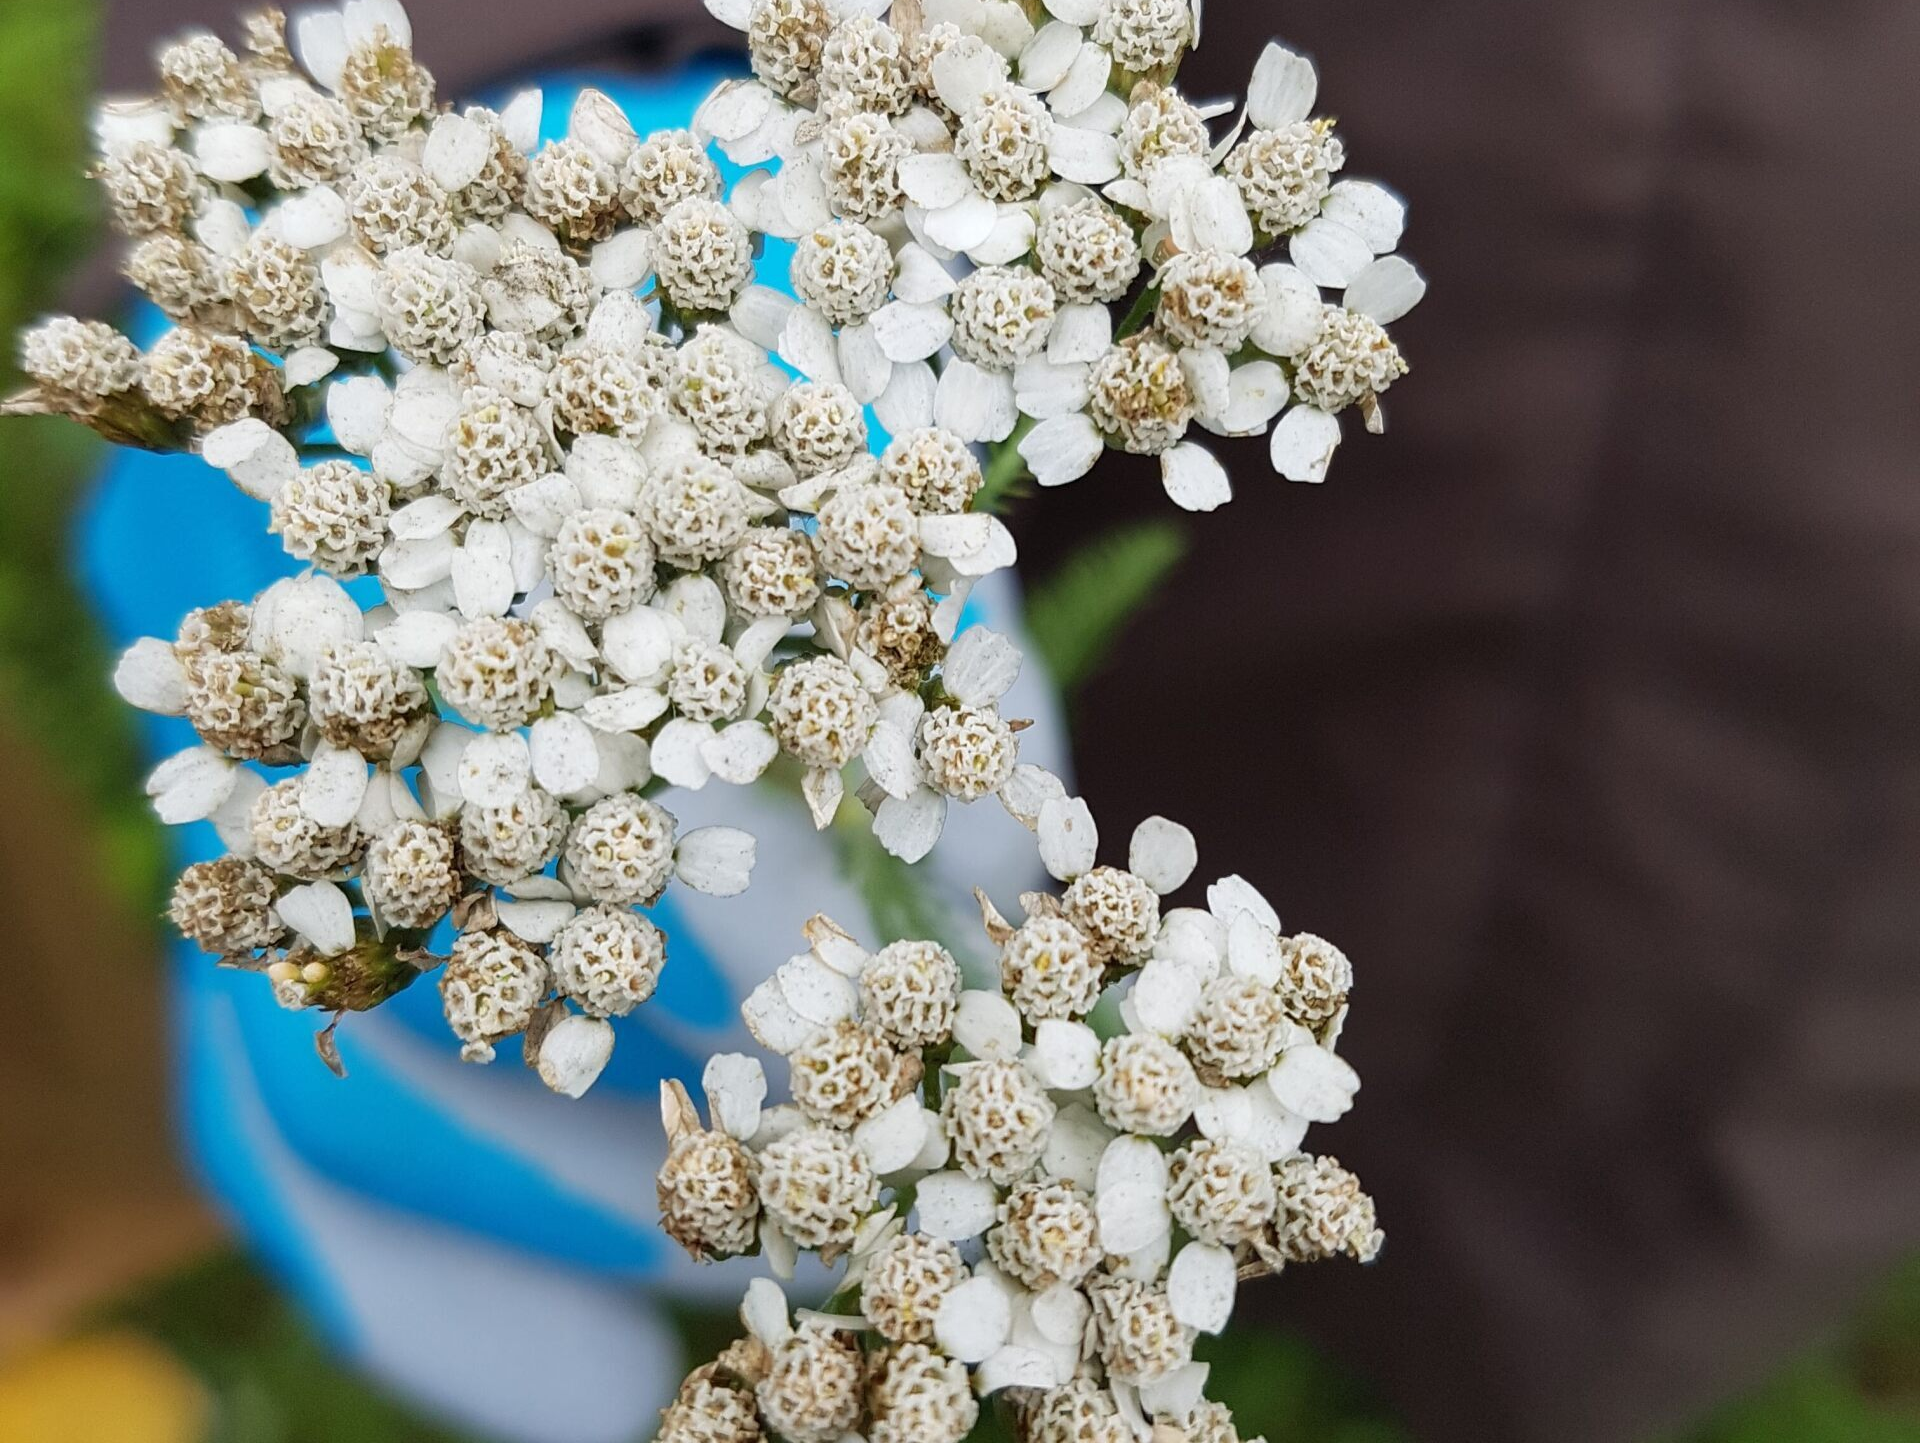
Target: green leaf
1074, 615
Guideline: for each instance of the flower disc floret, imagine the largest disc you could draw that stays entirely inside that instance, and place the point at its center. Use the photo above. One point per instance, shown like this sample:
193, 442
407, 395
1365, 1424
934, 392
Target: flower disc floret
820, 712
621, 849
490, 989
497, 672
998, 1117
1140, 396
608, 959
817, 1186
868, 535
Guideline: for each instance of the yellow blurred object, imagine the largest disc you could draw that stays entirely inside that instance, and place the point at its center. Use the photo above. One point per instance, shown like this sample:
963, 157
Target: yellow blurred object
107, 1388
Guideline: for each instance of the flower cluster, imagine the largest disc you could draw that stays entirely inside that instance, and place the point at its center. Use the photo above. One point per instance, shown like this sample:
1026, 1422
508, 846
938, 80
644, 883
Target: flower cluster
1032, 1193
1020, 229
527, 391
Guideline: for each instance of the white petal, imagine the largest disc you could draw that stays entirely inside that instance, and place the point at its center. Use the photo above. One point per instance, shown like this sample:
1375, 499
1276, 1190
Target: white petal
1201, 1285
1060, 1315
963, 73
1194, 478
716, 860
607, 471
740, 753
1253, 949
889, 757
1165, 997
415, 565
1162, 854
1062, 449
1085, 156
934, 181
954, 1206
495, 769
357, 409
563, 755
1175, 1394
908, 401
864, 367
1028, 790
457, 150
1068, 838
334, 785
623, 261
987, 1026
1080, 333
320, 912
1329, 254
973, 544
1044, 391
981, 667
911, 332
734, 111
574, 1053
1256, 393
483, 582
1282, 90
1066, 1055
1386, 290
975, 405
764, 1312
1272, 1130
1370, 211
520, 119
427, 517
1050, 55
806, 344
638, 644
230, 150
537, 921
1234, 894
964, 224
893, 1139
1210, 377
307, 365
736, 1086
1009, 240
823, 791
1210, 215
149, 676
1303, 444
761, 314
920, 277
1015, 1366
189, 786
1085, 83
1314, 1083
974, 1320
311, 219
419, 637
1133, 1214
677, 753
1076, 1145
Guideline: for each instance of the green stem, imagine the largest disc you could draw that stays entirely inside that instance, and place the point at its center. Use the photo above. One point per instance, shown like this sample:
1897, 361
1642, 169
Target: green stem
1006, 469
1136, 319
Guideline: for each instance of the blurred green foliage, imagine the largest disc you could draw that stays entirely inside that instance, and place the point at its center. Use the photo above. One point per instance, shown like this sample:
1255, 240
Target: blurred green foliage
271, 1379
1864, 1387
1075, 614
54, 665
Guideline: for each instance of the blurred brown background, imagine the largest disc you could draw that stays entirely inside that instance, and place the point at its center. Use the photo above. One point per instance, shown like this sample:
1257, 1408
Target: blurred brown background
1583, 703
